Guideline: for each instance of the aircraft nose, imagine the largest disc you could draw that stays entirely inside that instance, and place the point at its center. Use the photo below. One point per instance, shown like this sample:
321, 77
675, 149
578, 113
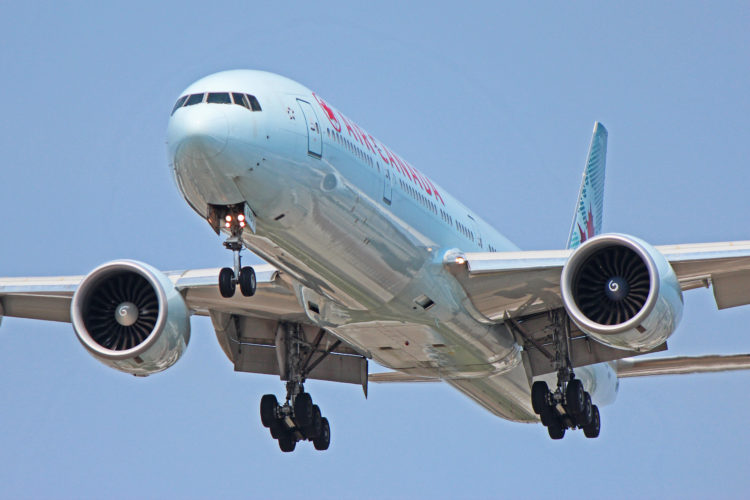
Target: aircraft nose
198, 132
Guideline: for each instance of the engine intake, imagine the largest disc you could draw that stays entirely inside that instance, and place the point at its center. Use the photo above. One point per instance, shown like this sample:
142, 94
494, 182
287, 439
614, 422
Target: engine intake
130, 317
622, 292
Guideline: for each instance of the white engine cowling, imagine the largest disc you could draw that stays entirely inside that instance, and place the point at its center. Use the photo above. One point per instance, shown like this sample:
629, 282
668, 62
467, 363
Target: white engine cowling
622, 292
130, 317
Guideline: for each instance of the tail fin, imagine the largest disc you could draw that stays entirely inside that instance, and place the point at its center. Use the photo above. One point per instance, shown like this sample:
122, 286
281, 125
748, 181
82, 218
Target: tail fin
587, 219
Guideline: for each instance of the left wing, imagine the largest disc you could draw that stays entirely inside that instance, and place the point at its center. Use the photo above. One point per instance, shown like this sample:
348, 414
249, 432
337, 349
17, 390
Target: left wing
521, 288
523, 283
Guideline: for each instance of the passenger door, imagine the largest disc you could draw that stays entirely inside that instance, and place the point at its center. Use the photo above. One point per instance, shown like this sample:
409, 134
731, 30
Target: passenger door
387, 185
314, 136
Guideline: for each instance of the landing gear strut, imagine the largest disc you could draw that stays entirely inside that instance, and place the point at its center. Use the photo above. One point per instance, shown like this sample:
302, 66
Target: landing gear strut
229, 278
298, 418
569, 406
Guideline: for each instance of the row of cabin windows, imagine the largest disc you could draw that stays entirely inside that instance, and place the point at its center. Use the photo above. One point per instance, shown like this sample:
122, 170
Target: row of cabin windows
446, 217
492, 249
426, 202
419, 197
465, 231
245, 100
353, 148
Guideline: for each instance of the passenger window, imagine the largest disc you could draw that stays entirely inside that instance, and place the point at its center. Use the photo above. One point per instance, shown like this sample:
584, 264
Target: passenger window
194, 99
254, 103
179, 103
241, 100
219, 98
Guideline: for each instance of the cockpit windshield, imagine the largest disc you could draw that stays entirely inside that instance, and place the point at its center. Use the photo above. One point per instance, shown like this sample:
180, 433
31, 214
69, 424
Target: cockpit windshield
245, 100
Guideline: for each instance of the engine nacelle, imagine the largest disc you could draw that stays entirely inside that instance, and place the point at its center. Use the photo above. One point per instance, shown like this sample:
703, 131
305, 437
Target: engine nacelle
622, 292
131, 317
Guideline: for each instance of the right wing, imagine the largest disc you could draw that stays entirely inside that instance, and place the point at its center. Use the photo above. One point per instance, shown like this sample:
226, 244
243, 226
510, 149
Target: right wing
247, 328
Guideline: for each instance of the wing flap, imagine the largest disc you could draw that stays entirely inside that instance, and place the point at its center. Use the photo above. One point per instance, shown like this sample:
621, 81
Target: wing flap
682, 365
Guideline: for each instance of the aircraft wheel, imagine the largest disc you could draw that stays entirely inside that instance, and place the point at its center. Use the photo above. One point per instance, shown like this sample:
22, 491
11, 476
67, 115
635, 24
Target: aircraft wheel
247, 281
313, 430
287, 442
226, 282
574, 397
556, 429
547, 416
324, 438
592, 430
268, 405
539, 391
277, 429
584, 418
303, 409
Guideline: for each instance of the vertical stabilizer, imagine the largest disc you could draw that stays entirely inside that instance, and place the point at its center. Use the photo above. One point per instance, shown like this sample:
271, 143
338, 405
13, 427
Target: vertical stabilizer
587, 219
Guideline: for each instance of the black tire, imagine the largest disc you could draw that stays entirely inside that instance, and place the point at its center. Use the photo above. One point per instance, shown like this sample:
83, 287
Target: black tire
556, 429
312, 431
278, 429
247, 281
226, 282
539, 391
287, 443
323, 441
592, 430
303, 409
574, 397
584, 418
268, 405
547, 415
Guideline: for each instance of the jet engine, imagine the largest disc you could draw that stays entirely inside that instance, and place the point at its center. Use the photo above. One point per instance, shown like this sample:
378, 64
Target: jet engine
622, 292
131, 317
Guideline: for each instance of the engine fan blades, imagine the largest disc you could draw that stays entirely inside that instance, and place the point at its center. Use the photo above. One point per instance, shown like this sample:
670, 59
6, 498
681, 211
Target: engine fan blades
612, 285
111, 292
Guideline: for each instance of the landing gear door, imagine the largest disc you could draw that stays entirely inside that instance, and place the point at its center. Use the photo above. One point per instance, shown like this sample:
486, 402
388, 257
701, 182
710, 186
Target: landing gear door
387, 185
314, 136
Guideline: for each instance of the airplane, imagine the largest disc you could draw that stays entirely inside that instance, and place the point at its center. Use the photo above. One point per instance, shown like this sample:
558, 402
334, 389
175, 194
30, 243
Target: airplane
369, 259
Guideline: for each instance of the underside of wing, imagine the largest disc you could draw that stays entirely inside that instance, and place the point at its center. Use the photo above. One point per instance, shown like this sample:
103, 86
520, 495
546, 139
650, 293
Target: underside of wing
523, 290
250, 330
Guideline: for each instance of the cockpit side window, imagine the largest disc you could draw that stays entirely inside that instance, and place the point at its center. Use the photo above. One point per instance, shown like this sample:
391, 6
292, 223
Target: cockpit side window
254, 103
240, 99
194, 99
219, 98
179, 103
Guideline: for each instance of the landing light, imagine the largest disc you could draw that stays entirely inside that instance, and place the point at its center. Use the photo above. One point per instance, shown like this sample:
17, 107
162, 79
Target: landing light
242, 224
460, 260
228, 224
228, 218
241, 217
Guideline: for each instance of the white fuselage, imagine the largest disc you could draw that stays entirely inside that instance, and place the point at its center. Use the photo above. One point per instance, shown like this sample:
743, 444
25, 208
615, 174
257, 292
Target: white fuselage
361, 234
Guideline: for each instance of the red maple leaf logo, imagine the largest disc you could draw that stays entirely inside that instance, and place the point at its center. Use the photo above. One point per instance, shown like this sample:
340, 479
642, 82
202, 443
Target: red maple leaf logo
329, 112
590, 231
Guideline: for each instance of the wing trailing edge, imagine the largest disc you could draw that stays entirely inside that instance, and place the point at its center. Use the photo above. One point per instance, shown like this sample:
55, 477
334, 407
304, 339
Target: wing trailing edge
681, 365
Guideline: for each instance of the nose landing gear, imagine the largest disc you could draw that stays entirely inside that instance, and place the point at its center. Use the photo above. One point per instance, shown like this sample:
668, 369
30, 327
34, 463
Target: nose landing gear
235, 220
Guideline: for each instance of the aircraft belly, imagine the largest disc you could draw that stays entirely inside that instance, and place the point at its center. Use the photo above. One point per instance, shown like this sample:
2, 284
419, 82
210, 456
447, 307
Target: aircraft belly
506, 395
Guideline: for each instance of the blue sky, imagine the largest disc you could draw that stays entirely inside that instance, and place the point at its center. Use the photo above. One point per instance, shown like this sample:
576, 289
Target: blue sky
496, 103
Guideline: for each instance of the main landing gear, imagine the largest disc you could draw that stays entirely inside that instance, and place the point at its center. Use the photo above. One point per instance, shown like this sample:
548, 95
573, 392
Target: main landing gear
569, 406
298, 419
229, 277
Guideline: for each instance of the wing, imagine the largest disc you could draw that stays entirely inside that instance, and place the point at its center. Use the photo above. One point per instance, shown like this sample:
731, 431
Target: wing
523, 283
520, 288
245, 328
49, 298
